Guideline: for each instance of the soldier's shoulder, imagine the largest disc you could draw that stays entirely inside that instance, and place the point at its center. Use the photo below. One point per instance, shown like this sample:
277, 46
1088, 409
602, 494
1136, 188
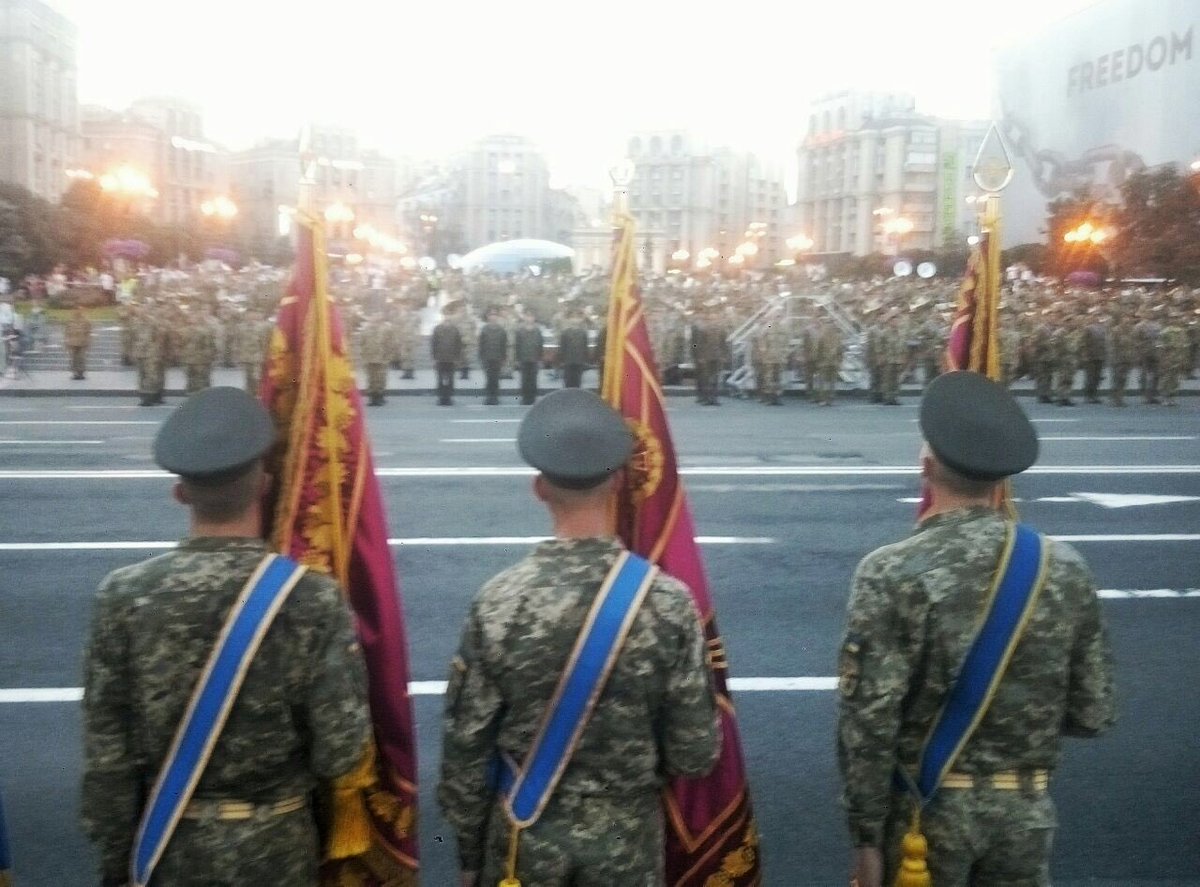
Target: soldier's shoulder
131, 580
671, 599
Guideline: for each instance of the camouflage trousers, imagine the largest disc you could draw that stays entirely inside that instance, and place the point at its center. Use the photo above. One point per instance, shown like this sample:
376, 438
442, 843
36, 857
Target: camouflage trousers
253, 377
1169, 375
376, 380
241, 853
199, 376
1118, 384
826, 382
78, 360
583, 842
770, 383
150, 376
980, 837
1064, 381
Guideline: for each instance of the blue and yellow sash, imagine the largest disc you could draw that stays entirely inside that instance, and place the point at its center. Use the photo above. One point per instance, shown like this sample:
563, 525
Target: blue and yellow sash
588, 667
211, 702
5, 857
1019, 578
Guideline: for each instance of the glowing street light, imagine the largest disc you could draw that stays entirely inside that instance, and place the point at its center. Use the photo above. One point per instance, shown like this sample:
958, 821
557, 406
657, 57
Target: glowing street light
338, 212
221, 207
1087, 233
799, 243
710, 253
680, 255
899, 226
128, 181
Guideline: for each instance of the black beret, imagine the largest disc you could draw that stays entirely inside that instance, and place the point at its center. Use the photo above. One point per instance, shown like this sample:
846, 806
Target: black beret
976, 428
214, 436
574, 438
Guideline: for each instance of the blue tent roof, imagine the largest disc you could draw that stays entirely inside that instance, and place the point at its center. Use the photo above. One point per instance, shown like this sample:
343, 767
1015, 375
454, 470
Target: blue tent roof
512, 256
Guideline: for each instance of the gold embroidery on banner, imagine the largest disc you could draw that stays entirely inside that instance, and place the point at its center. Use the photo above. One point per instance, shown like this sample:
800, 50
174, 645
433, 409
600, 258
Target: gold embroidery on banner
737, 862
645, 466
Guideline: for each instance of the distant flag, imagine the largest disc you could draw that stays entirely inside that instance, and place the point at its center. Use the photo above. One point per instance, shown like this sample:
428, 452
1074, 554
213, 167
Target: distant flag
974, 342
712, 837
327, 512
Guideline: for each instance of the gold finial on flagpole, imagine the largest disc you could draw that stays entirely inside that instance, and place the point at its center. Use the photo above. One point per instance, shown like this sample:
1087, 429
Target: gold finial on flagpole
621, 175
992, 172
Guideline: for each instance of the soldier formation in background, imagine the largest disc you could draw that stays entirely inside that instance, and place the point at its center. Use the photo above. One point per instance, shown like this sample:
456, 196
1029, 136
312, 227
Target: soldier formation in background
788, 332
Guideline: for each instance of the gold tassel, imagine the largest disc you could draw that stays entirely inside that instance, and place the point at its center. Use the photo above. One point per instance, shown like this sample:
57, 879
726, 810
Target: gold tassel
914, 871
350, 830
513, 840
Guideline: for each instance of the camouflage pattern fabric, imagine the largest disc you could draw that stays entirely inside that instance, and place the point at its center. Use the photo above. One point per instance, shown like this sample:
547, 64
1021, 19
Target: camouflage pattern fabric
199, 353
913, 612
301, 716
771, 346
1172, 361
656, 718
1122, 351
149, 352
1067, 342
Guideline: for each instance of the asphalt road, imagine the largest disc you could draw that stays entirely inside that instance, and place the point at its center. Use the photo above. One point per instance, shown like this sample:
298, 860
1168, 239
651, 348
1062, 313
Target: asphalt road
794, 496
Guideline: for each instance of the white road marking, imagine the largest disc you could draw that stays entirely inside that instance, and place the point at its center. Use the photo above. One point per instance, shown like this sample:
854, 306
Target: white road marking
411, 542
1132, 537
789, 488
76, 422
1106, 500
52, 443
1131, 500
475, 440
1143, 593
1118, 437
474, 471
437, 688
485, 421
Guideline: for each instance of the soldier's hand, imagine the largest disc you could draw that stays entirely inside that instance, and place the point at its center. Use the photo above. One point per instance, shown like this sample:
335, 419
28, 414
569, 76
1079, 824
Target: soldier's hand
469, 879
867, 867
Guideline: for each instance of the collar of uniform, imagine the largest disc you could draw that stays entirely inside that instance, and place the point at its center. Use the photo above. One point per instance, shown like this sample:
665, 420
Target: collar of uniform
222, 543
958, 516
586, 544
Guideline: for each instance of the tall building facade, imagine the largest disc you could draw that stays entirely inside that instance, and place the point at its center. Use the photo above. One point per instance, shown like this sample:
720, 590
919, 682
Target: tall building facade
695, 198
163, 140
502, 192
39, 115
356, 187
875, 176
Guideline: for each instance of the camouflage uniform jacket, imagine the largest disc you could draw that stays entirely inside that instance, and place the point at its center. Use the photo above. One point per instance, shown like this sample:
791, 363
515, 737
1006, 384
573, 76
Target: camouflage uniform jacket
773, 342
1172, 347
914, 607
253, 340
199, 343
1122, 345
149, 338
78, 332
301, 715
656, 718
376, 344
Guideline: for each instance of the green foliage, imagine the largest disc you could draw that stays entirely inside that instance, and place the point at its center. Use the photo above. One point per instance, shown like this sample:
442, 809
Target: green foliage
1159, 225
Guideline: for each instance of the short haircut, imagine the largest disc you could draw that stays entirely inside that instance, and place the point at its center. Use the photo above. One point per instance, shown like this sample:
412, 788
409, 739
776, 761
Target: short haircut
566, 496
960, 484
226, 501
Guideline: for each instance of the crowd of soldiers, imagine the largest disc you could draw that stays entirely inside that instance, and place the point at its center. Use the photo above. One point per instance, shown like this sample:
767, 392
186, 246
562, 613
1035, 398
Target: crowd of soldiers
794, 330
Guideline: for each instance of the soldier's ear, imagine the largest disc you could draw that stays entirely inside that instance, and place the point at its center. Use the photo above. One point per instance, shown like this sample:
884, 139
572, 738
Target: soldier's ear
179, 493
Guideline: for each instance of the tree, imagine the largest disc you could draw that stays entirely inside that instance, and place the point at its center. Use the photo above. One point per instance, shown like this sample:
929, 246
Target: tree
1159, 225
28, 233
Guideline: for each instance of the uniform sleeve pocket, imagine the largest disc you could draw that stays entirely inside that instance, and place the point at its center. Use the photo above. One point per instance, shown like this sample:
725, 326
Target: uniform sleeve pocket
850, 666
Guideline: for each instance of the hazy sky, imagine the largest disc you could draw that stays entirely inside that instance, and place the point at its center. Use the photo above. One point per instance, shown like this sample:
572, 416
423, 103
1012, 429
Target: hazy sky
425, 77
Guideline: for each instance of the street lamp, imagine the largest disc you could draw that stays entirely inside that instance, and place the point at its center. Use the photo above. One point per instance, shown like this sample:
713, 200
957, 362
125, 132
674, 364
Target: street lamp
220, 207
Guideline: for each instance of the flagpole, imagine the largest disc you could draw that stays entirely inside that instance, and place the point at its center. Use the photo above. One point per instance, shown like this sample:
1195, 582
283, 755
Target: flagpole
995, 243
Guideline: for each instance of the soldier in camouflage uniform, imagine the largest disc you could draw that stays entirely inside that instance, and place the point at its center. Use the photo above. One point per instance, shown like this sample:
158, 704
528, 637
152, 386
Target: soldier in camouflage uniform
913, 614
1145, 335
376, 345
468, 328
1010, 346
1066, 342
827, 359
1093, 354
1122, 351
1172, 359
1042, 353
408, 337
77, 336
149, 347
253, 342
893, 356
300, 718
772, 344
872, 356
199, 351
127, 319
656, 717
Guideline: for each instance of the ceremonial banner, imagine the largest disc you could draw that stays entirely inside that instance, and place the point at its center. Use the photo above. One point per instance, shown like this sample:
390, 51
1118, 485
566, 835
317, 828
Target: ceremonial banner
327, 513
974, 342
712, 838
